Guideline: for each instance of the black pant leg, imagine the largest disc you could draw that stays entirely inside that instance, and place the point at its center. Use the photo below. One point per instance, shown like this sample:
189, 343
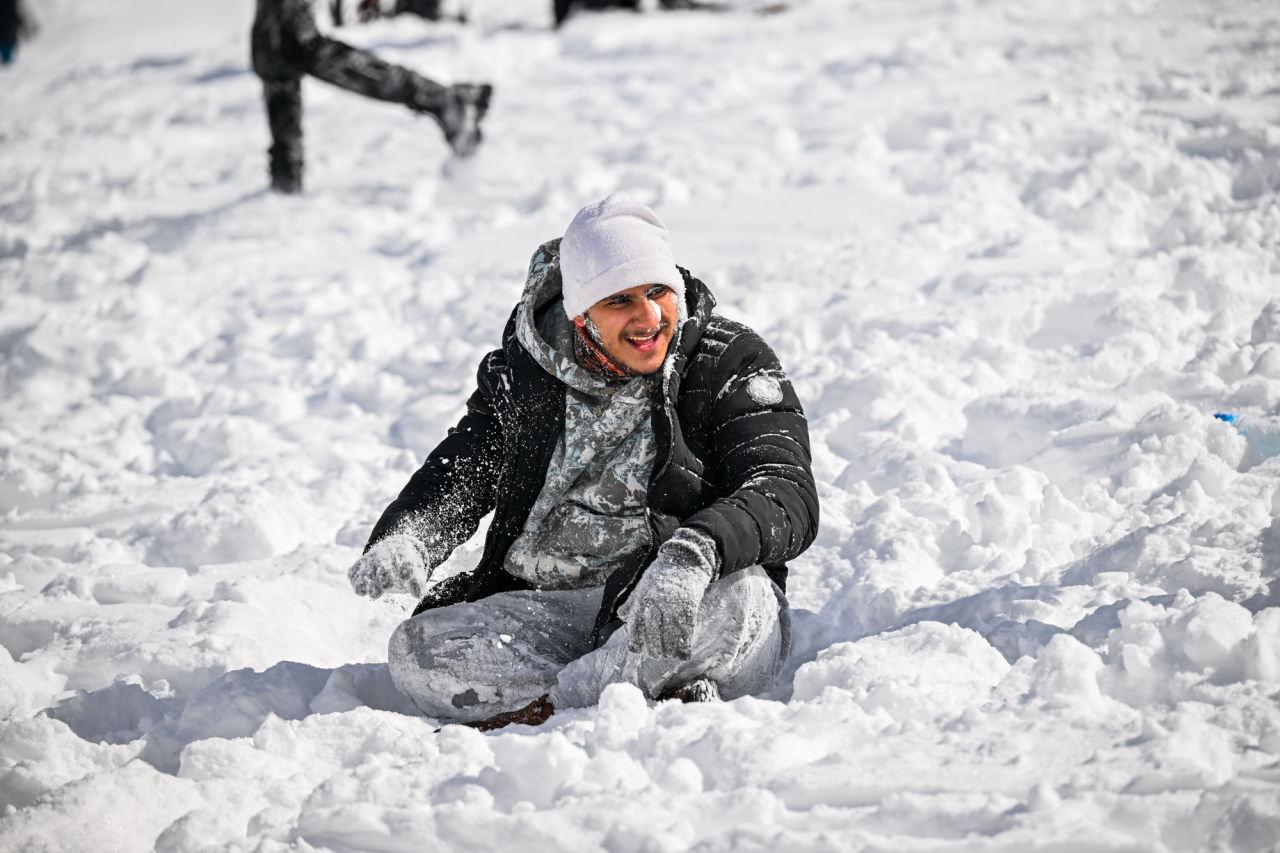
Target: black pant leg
272, 47
361, 72
276, 60
284, 114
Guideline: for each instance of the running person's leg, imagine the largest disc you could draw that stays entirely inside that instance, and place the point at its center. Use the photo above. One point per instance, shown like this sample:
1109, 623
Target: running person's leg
275, 61
459, 108
284, 115
361, 72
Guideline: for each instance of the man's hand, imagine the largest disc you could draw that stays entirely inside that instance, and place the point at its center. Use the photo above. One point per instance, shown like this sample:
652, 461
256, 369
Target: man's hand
398, 563
662, 612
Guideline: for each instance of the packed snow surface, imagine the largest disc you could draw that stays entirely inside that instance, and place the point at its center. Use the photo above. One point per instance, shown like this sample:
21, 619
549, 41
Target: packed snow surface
1015, 256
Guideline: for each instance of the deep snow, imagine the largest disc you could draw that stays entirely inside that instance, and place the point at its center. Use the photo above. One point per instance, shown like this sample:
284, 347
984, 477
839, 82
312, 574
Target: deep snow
1014, 255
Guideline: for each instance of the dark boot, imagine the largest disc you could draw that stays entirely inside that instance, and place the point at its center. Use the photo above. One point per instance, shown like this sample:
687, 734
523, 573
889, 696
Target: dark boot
465, 106
535, 713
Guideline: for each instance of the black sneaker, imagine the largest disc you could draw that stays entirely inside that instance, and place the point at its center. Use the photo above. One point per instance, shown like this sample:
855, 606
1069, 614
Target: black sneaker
464, 108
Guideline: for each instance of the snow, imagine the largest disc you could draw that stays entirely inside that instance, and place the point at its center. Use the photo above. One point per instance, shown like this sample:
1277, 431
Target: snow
1014, 256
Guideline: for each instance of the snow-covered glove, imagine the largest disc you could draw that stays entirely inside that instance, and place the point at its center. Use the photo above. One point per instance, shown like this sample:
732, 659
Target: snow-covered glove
398, 563
662, 612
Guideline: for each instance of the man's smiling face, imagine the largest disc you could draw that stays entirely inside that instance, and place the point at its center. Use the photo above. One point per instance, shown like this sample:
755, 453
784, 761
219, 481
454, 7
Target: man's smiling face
636, 325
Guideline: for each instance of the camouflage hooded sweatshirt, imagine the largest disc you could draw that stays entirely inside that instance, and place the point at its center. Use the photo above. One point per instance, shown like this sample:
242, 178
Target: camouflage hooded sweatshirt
591, 513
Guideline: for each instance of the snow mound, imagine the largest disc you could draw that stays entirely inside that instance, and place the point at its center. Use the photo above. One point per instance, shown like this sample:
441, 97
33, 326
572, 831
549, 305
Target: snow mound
914, 675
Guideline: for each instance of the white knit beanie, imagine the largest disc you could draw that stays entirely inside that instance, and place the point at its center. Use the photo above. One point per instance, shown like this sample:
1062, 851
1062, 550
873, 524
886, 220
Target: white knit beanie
613, 245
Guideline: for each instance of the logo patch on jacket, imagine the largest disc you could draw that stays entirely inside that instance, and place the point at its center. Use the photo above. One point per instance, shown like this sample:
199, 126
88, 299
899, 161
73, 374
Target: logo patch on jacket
765, 390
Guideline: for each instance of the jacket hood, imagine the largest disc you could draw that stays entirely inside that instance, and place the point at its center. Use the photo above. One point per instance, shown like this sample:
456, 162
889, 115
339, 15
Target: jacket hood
545, 331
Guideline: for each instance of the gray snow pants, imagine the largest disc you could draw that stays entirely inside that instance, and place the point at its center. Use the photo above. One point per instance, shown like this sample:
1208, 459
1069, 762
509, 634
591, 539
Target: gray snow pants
286, 45
469, 661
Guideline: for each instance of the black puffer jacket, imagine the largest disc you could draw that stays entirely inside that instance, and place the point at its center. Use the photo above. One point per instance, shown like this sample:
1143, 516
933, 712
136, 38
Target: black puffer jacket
733, 458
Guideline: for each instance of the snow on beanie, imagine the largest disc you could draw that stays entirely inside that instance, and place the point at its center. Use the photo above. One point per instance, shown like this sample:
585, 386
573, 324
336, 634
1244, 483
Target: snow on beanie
613, 245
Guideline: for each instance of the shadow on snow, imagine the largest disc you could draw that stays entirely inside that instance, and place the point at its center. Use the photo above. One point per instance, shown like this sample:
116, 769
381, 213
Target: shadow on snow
234, 705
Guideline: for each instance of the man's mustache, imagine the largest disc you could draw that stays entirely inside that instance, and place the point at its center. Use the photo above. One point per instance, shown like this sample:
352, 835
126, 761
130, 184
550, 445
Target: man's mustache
661, 327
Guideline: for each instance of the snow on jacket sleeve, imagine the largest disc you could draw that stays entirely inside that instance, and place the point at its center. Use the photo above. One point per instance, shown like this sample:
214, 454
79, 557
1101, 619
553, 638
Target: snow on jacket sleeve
760, 457
456, 487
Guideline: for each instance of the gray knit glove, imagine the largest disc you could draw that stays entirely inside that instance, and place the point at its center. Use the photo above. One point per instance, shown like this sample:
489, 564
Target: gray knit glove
398, 563
662, 611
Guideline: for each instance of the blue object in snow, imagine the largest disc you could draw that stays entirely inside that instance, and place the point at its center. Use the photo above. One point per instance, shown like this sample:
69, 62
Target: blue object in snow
1261, 433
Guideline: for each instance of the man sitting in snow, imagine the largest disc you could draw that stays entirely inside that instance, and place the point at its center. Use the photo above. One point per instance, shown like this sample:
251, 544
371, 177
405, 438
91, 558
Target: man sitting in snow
286, 45
648, 467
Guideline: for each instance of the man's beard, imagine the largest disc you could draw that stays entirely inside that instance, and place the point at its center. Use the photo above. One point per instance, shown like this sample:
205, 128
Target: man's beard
590, 352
